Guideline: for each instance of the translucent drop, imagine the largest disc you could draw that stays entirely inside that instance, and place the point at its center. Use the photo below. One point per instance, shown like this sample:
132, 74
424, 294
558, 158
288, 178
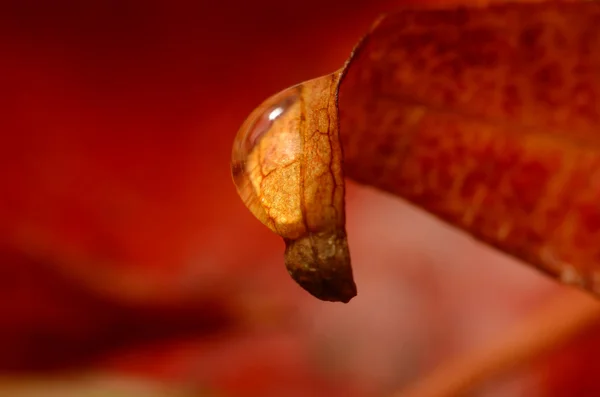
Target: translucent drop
266, 161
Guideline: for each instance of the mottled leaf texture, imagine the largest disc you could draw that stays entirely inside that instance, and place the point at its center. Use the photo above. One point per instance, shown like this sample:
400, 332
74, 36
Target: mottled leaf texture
488, 118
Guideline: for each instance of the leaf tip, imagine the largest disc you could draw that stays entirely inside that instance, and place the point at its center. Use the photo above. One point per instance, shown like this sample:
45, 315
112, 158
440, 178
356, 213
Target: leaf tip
320, 263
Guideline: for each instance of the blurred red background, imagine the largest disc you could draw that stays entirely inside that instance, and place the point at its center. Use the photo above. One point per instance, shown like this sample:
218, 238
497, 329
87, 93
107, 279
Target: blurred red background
124, 249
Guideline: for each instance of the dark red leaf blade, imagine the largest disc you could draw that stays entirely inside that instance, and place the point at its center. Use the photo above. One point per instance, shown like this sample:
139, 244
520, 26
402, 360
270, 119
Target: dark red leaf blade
489, 119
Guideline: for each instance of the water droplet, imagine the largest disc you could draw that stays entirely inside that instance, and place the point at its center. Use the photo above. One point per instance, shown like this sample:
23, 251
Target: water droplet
266, 163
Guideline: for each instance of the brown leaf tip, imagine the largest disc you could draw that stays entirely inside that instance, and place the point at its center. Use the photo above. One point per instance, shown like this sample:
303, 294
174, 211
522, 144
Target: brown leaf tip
320, 263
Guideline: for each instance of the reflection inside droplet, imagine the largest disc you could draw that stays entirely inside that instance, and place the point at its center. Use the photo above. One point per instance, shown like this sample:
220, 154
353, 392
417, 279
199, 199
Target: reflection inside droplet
265, 163
276, 113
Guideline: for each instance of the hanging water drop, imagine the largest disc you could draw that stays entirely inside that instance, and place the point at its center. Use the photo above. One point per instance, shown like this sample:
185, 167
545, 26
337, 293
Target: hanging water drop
265, 163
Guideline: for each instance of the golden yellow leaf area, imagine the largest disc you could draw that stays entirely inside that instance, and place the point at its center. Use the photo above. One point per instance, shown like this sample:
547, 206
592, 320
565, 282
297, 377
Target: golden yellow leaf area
287, 167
